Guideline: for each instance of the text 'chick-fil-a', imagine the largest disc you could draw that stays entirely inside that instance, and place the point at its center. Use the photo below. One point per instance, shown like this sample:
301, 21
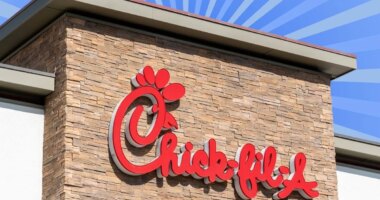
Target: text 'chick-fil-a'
247, 169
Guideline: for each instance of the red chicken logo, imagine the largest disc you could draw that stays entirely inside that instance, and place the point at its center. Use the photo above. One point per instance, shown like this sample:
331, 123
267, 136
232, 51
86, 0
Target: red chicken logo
247, 169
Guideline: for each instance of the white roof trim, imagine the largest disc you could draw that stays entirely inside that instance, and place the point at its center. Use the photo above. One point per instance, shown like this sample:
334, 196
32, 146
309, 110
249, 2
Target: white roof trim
357, 149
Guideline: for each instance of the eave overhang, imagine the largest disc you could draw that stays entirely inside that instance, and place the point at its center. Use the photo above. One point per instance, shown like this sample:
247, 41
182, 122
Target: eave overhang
38, 14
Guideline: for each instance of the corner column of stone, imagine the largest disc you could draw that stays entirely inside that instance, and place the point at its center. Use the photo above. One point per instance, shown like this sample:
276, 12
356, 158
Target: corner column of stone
47, 53
231, 98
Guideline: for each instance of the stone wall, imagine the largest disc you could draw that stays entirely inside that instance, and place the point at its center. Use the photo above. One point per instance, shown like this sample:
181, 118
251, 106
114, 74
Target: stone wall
231, 98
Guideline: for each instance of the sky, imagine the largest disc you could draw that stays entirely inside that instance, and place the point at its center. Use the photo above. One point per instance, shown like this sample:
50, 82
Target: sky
351, 26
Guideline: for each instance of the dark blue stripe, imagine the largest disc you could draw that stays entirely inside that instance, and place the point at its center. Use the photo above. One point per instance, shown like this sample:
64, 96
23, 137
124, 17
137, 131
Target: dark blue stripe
204, 7
369, 59
179, 4
363, 91
362, 123
166, 3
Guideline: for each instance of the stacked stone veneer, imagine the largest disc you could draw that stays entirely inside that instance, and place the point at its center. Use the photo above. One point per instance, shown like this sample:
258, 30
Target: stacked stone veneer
234, 99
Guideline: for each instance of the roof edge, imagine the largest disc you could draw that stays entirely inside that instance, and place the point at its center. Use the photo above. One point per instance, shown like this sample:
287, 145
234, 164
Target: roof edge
19, 79
40, 13
244, 28
357, 151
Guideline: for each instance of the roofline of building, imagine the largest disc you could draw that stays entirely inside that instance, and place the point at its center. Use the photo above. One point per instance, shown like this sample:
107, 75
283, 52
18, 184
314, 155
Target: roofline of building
38, 14
27, 81
358, 152
243, 28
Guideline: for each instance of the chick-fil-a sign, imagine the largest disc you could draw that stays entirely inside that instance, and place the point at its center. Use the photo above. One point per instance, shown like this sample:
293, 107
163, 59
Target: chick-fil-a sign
247, 169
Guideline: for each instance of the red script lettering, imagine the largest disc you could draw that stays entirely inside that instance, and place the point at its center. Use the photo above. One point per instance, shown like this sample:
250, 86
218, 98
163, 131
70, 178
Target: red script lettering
247, 169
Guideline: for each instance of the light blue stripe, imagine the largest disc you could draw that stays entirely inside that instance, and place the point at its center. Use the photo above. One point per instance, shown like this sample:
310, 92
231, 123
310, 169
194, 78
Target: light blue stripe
198, 5
7, 10
159, 2
292, 14
210, 7
224, 9
261, 12
240, 10
173, 4
361, 76
358, 106
362, 11
186, 5
353, 133
2, 20
359, 45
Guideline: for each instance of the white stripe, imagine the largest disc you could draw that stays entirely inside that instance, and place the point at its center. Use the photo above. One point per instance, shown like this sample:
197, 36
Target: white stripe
261, 12
210, 8
353, 133
361, 76
224, 9
243, 7
198, 6
362, 11
159, 2
186, 5
358, 45
7, 10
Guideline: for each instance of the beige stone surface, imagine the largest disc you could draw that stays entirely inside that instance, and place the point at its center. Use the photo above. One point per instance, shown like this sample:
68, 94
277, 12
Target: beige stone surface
234, 99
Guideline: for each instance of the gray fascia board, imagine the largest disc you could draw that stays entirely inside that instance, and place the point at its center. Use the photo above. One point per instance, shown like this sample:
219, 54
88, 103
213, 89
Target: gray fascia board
23, 69
357, 149
26, 81
307, 56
